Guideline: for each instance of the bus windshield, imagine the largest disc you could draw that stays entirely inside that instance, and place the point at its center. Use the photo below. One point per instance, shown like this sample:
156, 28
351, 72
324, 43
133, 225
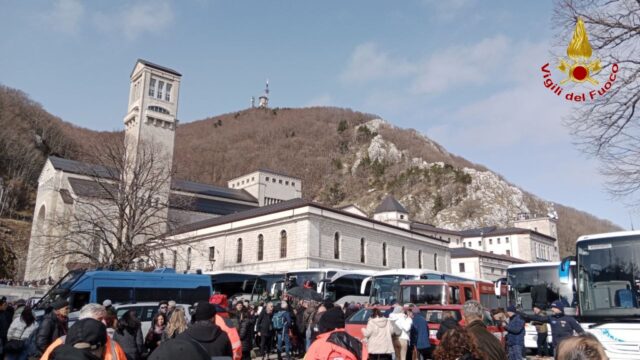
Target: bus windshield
609, 277
268, 287
61, 289
300, 277
386, 288
540, 285
233, 284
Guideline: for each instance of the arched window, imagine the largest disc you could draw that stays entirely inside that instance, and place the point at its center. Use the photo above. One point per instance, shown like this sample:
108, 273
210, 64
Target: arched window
384, 254
420, 259
239, 254
435, 262
189, 258
158, 109
260, 247
336, 245
404, 257
362, 251
283, 244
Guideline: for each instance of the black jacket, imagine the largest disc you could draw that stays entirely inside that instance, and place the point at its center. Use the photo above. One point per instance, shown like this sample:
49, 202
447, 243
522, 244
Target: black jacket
264, 323
50, 329
131, 342
446, 325
487, 343
245, 332
562, 326
5, 322
210, 336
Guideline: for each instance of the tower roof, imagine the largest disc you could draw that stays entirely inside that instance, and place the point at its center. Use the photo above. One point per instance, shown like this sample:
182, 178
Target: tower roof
156, 66
390, 204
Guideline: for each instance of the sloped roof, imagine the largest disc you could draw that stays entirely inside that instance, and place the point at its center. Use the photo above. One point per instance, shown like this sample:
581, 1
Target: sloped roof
212, 190
495, 231
66, 196
156, 66
483, 231
204, 205
91, 188
428, 227
390, 204
80, 168
466, 252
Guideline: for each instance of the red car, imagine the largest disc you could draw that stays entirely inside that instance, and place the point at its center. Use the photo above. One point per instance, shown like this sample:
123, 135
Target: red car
433, 314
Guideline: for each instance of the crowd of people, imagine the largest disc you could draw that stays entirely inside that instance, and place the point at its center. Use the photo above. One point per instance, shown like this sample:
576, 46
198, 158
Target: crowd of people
288, 329
33, 283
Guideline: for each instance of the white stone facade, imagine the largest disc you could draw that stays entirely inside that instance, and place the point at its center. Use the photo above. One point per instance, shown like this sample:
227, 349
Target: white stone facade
310, 243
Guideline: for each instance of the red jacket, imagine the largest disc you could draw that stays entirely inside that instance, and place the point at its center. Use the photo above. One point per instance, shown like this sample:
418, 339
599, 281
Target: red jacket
326, 347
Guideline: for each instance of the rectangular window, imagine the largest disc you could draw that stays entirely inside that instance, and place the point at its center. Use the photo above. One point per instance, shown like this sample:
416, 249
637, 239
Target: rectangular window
286, 183
506, 240
280, 181
293, 184
212, 253
509, 252
498, 240
479, 242
490, 241
167, 95
160, 86
152, 87
469, 243
461, 265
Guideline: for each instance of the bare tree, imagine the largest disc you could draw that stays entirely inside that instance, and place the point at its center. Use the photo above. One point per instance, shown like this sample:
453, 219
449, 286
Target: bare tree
119, 215
609, 127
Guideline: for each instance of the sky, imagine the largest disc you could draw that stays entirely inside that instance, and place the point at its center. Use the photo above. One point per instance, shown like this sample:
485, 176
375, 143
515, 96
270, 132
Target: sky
465, 73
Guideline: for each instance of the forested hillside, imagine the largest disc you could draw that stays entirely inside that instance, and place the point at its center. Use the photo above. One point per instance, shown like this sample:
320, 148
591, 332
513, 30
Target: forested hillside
342, 156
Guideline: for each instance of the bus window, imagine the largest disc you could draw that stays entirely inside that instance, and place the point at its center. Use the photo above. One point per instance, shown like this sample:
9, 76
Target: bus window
468, 294
152, 294
78, 299
454, 294
116, 295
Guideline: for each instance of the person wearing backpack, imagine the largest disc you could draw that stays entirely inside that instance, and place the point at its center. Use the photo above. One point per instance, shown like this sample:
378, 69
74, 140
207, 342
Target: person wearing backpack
281, 324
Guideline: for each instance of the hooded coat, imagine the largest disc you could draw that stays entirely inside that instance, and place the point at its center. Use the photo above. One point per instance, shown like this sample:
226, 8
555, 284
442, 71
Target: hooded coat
211, 337
515, 331
402, 323
378, 336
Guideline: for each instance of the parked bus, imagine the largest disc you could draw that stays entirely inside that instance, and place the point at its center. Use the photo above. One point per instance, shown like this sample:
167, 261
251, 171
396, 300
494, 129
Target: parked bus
233, 284
80, 287
333, 284
384, 287
608, 285
541, 284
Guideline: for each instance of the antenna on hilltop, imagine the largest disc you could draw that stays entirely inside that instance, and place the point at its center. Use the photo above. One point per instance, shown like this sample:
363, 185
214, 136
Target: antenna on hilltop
253, 102
263, 101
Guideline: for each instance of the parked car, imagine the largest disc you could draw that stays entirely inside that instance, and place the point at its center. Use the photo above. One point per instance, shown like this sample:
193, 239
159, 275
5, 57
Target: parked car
434, 315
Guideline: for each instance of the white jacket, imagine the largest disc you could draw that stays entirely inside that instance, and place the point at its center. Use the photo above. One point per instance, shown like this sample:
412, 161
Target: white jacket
18, 329
402, 323
378, 336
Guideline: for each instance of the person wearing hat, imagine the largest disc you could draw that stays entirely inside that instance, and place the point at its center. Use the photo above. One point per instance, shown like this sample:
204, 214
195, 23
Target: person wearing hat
179, 349
515, 334
205, 332
334, 342
542, 331
54, 325
562, 326
87, 335
96, 312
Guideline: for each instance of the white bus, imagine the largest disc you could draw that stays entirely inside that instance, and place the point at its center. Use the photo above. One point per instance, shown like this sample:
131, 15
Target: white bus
608, 282
541, 284
333, 284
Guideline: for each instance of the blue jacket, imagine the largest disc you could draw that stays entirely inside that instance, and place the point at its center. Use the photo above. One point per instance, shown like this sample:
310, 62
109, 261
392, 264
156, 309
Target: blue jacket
562, 326
420, 332
515, 331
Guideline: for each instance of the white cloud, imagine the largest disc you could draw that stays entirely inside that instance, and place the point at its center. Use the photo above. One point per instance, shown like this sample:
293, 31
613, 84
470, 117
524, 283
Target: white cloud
368, 62
459, 66
65, 16
135, 19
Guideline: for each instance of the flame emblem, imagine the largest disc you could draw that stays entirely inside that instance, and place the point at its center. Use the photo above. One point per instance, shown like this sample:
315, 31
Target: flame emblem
578, 68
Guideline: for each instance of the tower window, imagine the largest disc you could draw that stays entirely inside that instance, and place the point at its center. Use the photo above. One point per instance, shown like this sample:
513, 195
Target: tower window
167, 93
336, 245
283, 244
239, 254
152, 87
160, 87
260, 247
362, 251
384, 254
158, 109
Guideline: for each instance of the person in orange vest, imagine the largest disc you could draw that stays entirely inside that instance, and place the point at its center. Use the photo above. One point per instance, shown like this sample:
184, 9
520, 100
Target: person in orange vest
333, 342
113, 351
232, 333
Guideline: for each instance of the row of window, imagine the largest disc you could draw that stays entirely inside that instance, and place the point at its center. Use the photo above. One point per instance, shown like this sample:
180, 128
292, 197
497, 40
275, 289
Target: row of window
461, 269
260, 255
542, 251
363, 252
267, 179
470, 244
157, 91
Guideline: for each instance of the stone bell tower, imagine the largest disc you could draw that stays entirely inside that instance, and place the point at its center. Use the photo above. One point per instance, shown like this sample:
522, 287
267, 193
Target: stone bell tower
151, 120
